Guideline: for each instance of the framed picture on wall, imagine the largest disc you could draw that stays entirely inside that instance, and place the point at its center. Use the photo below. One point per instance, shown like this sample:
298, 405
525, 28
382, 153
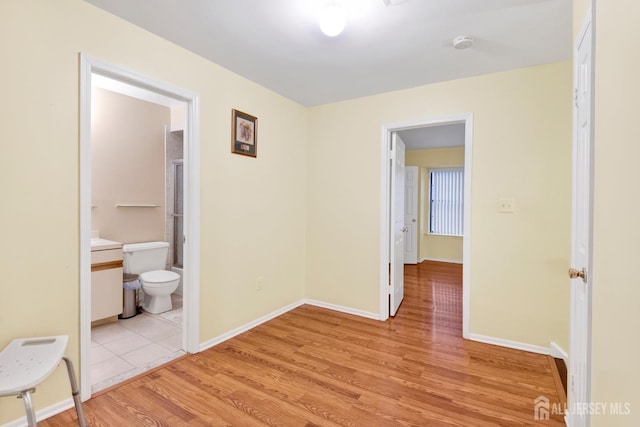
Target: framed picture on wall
244, 133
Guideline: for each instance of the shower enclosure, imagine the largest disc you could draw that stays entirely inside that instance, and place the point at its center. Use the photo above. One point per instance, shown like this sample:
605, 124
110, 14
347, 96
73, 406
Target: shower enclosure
178, 220
174, 198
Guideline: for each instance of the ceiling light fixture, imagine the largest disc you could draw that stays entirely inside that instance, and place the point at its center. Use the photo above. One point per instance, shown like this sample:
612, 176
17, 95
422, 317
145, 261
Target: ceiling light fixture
332, 20
463, 42
393, 2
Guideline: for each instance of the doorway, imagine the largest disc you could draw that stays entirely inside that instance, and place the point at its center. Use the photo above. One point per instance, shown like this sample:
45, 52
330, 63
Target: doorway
89, 68
388, 131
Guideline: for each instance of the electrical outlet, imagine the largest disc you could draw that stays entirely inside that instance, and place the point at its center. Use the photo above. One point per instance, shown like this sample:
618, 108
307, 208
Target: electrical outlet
506, 205
259, 282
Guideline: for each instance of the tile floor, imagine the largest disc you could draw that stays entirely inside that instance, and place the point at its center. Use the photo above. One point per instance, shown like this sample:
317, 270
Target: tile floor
128, 347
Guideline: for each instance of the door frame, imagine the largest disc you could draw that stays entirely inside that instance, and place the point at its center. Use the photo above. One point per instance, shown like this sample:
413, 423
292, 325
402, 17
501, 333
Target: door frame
385, 179
191, 324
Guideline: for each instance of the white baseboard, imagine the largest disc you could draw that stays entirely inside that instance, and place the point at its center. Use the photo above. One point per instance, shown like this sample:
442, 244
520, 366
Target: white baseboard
343, 309
510, 344
450, 261
244, 328
558, 352
43, 414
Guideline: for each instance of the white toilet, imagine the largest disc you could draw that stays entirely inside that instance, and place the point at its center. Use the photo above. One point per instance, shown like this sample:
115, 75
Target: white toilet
149, 261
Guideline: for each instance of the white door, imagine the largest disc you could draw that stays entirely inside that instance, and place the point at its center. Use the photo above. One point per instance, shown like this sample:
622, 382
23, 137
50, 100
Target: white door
411, 214
398, 228
580, 273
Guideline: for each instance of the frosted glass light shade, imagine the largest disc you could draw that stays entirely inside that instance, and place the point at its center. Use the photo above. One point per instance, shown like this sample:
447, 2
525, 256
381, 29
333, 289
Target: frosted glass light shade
332, 20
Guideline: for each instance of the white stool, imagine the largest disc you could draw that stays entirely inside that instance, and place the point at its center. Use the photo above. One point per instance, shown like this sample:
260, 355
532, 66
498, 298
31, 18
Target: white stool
26, 362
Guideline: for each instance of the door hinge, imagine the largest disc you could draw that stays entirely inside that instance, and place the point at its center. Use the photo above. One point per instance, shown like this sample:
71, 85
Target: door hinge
575, 97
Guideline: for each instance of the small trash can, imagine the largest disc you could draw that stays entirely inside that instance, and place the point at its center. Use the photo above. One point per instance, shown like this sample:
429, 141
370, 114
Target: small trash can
130, 286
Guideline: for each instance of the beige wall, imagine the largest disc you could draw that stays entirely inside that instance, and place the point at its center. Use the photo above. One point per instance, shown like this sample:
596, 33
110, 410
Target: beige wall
177, 117
522, 126
434, 247
127, 167
253, 211
616, 290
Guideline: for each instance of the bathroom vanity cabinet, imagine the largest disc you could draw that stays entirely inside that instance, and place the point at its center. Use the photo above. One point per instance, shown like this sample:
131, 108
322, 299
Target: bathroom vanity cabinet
106, 281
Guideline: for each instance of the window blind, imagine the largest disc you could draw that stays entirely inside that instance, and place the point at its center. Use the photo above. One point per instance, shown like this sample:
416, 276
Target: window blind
446, 206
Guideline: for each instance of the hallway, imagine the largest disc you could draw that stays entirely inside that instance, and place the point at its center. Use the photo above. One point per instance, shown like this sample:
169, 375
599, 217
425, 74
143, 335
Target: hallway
433, 298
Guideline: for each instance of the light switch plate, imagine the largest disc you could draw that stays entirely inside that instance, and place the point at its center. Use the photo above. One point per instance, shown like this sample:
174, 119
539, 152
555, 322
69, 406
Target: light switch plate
506, 205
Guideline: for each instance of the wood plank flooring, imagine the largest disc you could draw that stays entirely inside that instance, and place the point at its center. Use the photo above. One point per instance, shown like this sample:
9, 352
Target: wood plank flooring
316, 367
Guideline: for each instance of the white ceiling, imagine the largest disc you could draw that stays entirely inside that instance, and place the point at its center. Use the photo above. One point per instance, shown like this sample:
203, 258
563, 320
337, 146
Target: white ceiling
278, 44
440, 136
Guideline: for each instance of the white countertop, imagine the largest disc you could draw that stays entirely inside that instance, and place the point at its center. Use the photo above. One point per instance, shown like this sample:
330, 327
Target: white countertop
98, 244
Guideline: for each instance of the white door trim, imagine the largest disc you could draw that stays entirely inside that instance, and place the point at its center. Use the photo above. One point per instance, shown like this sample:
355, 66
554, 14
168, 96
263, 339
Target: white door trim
387, 129
191, 327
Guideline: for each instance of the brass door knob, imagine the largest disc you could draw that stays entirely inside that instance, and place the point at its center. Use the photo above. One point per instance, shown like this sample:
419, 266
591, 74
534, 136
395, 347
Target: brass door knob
574, 274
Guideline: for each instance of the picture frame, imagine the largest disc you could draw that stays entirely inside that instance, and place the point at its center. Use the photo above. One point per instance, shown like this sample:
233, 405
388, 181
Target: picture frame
244, 133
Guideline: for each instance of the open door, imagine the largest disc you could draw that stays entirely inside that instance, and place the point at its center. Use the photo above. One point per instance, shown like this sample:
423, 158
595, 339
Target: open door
398, 228
411, 214
580, 272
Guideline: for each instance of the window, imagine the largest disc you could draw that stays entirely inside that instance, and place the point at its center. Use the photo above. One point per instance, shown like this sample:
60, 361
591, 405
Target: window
446, 206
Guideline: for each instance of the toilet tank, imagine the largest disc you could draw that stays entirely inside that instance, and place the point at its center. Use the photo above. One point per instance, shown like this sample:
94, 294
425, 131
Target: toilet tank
139, 258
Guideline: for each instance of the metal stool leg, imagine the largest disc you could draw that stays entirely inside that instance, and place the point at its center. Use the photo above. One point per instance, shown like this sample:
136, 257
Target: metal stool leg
28, 408
75, 392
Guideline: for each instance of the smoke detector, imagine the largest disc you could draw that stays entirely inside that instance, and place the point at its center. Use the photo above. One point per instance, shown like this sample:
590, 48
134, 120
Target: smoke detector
463, 42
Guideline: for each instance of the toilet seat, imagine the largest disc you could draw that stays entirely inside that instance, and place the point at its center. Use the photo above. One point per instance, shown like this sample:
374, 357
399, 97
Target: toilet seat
157, 287
157, 277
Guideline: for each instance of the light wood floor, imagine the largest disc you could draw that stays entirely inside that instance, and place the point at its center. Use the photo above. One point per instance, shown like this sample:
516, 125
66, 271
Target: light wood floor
315, 367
